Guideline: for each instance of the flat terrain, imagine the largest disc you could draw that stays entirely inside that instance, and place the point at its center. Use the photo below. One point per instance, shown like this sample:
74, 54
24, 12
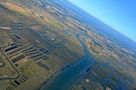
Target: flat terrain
32, 49
38, 40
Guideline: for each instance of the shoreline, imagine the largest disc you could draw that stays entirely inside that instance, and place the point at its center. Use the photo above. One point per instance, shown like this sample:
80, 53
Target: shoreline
52, 77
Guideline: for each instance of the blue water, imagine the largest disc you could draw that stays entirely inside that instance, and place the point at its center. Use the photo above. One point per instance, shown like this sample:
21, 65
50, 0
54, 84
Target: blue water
67, 78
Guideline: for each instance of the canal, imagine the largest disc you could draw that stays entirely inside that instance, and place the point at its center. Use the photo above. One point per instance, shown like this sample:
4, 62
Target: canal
65, 79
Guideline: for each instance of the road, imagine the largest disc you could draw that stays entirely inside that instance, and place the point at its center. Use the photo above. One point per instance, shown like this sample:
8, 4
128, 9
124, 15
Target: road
13, 66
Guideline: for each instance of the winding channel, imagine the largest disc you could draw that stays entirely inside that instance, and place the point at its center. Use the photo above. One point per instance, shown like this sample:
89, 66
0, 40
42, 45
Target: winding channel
68, 77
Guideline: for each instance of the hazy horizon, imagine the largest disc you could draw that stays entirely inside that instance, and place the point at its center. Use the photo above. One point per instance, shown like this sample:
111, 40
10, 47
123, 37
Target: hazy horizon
112, 14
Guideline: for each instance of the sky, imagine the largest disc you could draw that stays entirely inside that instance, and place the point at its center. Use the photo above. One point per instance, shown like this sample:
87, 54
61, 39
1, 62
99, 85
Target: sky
119, 14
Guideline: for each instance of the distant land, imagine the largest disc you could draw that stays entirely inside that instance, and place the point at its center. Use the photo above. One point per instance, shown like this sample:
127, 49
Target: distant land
92, 20
54, 45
